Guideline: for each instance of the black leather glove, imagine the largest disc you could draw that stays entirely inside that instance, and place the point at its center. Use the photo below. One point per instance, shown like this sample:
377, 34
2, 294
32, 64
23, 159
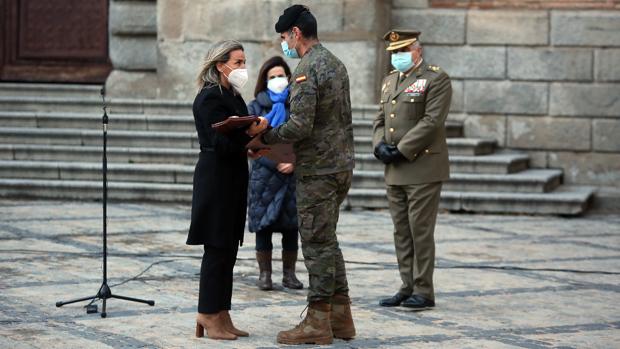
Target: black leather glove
382, 152
395, 155
388, 153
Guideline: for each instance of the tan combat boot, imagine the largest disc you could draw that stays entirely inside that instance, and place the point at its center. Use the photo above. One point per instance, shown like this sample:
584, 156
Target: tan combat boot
314, 329
341, 319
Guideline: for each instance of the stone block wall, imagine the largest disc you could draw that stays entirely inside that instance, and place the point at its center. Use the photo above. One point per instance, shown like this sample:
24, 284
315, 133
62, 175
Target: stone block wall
352, 29
541, 77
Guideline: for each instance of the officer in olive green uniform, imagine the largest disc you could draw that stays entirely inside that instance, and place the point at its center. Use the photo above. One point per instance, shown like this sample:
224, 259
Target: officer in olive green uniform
409, 136
320, 128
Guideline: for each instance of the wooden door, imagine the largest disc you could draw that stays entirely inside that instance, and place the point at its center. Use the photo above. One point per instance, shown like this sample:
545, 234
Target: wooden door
54, 40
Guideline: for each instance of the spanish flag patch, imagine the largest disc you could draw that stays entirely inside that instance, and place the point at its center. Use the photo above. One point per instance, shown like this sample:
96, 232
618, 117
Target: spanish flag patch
300, 78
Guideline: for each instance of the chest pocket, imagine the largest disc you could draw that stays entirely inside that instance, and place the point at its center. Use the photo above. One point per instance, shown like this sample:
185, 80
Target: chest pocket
414, 106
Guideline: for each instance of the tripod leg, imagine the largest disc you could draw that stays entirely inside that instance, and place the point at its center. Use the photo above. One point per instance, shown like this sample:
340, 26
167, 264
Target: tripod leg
61, 303
149, 302
103, 313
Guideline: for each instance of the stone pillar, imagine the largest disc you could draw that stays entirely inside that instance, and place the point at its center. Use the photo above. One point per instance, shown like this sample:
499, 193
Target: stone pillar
133, 49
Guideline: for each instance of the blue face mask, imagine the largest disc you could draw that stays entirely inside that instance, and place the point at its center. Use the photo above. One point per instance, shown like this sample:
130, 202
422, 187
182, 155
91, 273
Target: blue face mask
402, 61
290, 53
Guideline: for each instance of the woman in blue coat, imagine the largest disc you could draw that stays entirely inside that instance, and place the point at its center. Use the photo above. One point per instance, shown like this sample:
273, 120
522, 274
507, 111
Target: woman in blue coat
271, 200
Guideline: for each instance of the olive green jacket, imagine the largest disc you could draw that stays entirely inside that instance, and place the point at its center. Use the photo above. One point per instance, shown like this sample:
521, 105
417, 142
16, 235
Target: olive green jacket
412, 116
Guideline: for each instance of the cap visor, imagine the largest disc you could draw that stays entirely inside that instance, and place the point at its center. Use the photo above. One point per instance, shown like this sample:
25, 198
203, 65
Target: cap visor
400, 44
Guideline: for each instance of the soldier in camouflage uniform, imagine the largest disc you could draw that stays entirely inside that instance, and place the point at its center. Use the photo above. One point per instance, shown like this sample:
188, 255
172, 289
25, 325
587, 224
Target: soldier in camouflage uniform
321, 131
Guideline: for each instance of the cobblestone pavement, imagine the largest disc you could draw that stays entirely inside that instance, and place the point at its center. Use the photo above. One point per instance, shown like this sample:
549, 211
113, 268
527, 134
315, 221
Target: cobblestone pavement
501, 281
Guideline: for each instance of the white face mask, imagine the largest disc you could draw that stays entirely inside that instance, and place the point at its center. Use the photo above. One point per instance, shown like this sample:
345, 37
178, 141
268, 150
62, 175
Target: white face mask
278, 84
238, 78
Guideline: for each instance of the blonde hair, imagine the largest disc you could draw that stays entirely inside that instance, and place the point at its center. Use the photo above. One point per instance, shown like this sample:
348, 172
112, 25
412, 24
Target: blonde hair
218, 53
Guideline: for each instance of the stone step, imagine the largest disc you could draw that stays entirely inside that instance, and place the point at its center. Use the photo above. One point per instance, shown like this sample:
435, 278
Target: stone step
41, 152
492, 164
128, 122
168, 139
489, 164
74, 120
86, 98
528, 181
567, 200
92, 190
71, 171
456, 146
116, 138
94, 105
49, 90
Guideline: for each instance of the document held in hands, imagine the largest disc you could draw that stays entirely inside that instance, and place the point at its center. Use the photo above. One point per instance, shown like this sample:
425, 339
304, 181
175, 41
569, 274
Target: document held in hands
233, 123
278, 153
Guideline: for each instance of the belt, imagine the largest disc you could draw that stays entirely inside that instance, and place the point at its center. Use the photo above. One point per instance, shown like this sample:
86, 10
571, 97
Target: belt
205, 149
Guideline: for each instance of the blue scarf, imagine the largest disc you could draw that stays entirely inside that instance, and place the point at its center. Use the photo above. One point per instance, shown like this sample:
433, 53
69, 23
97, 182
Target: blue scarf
277, 115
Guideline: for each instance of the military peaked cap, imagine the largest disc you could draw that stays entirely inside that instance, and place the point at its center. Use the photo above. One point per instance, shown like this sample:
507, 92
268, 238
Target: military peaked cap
398, 38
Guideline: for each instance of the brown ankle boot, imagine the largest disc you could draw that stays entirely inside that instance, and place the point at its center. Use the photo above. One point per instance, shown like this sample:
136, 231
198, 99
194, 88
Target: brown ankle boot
341, 319
214, 324
289, 279
264, 266
314, 329
230, 327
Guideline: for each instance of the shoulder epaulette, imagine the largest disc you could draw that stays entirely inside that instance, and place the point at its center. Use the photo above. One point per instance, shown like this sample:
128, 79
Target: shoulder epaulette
434, 68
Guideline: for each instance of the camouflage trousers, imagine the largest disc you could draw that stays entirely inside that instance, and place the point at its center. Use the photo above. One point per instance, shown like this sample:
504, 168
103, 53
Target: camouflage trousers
318, 207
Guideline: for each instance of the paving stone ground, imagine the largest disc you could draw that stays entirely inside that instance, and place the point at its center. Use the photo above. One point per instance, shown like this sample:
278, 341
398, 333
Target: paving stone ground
501, 281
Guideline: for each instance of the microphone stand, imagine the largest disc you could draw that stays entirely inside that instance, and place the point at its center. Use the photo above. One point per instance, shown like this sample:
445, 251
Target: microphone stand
104, 292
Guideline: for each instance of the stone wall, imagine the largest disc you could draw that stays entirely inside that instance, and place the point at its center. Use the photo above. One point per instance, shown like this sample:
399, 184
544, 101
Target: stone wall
538, 76
526, 4
546, 82
186, 28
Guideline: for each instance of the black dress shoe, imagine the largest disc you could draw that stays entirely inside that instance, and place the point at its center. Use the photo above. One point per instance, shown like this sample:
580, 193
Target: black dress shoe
418, 302
393, 301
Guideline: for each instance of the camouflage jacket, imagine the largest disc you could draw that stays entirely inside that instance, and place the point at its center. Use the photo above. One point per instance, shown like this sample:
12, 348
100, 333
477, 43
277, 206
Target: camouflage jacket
319, 125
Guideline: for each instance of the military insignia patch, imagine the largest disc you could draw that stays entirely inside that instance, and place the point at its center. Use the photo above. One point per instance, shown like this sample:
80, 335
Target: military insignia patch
301, 78
417, 88
433, 67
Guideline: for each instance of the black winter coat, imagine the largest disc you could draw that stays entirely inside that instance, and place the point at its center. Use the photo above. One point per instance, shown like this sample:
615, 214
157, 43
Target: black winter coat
271, 199
221, 176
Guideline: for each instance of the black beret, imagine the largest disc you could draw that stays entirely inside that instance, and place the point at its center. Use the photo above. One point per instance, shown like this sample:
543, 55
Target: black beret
289, 17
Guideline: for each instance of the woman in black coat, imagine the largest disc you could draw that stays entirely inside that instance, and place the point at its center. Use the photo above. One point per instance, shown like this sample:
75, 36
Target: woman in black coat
272, 206
220, 185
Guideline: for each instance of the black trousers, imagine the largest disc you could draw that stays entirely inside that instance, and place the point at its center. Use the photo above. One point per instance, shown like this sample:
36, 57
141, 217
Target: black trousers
216, 279
289, 240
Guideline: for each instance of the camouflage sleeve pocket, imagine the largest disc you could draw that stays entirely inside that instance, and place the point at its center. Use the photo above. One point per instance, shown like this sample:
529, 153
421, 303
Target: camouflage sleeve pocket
305, 226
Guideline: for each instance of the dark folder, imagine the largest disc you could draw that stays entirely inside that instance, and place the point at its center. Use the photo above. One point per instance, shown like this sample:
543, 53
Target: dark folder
278, 153
233, 123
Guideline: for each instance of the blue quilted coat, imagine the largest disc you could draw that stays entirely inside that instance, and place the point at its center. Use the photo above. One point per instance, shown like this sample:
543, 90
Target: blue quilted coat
271, 194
